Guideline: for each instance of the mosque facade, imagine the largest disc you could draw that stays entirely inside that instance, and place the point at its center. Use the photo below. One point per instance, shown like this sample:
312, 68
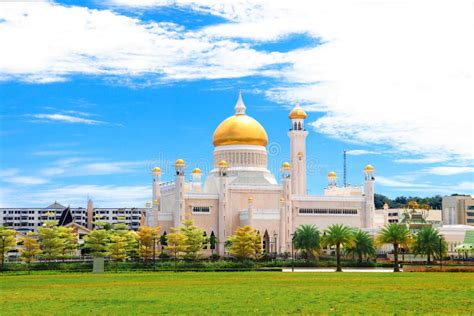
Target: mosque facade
240, 189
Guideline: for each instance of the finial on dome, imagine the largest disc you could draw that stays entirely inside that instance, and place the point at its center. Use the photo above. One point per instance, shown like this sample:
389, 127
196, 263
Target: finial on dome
240, 106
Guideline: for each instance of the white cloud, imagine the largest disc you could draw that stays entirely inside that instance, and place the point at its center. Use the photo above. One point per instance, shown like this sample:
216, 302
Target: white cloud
359, 152
388, 72
76, 195
464, 187
66, 119
12, 176
45, 42
79, 167
449, 171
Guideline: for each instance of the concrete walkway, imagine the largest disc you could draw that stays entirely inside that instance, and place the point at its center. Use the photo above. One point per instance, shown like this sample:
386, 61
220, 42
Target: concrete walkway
369, 270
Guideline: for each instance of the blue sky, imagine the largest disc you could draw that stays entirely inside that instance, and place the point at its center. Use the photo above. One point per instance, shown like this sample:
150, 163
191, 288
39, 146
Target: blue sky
93, 95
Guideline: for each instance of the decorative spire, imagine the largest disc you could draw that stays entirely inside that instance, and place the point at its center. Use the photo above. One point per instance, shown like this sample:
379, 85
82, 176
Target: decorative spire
240, 106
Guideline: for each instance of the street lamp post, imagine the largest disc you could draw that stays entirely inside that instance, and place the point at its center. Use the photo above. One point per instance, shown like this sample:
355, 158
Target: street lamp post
154, 251
292, 253
440, 254
275, 244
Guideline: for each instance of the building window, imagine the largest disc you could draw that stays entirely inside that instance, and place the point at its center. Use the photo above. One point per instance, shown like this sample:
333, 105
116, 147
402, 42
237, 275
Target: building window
201, 209
470, 220
321, 211
470, 213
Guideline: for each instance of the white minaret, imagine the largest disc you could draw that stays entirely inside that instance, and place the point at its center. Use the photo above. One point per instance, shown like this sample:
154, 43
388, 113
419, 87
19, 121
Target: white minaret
197, 175
152, 216
178, 216
286, 218
369, 196
297, 136
332, 179
223, 203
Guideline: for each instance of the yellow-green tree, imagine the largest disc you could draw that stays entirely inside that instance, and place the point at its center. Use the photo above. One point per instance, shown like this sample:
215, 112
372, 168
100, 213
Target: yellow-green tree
7, 242
176, 243
68, 241
130, 239
30, 249
194, 240
97, 242
50, 242
147, 238
246, 243
118, 248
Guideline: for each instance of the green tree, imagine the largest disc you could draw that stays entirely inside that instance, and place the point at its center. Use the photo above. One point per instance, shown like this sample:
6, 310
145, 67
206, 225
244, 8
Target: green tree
51, 243
7, 242
307, 239
147, 238
163, 241
397, 235
212, 242
338, 235
30, 249
363, 246
97, 242
176, 243
195, 239
428, 242
246, 243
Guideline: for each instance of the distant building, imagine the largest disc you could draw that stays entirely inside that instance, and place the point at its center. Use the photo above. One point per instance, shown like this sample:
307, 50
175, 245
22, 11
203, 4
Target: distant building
29, 219
458, 210
414, 219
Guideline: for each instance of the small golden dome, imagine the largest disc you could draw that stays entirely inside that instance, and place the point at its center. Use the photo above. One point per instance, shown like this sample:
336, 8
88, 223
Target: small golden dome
156, 170
332, 174
179, 163
282, 200
297, 113
299, 154
250, 199
369, 168
286, 165
222, 164
196, 171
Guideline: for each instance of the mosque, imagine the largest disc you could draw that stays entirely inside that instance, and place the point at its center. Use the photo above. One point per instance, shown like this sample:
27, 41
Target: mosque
240, 190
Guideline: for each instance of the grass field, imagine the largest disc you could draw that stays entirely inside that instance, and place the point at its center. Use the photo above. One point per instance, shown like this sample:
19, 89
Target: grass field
237, 293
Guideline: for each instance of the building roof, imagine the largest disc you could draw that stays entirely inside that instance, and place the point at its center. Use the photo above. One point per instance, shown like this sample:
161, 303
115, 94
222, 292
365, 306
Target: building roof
56, 205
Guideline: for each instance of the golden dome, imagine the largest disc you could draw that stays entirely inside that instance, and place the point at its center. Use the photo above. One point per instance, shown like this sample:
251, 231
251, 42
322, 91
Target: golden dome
297, 113
196, 171
179, 163
156, 170
331, 174
286, 166
369, 168
222, 164
240, 129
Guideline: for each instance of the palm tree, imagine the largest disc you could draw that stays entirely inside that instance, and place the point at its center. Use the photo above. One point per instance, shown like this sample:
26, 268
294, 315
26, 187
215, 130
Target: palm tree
397, 235
429, 242
338, 235
307, 238
363, 245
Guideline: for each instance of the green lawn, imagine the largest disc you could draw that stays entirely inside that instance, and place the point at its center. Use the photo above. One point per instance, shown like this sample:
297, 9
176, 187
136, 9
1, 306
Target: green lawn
237, 293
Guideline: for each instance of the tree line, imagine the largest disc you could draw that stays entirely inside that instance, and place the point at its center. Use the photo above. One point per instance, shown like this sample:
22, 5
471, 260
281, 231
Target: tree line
187, 242
402, 201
